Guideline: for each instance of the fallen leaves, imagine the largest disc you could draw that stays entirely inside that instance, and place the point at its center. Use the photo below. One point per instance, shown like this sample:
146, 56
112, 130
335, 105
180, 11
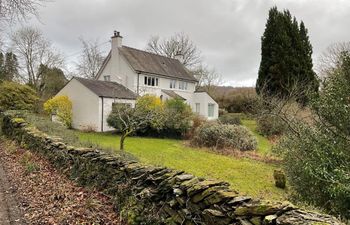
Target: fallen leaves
48, 197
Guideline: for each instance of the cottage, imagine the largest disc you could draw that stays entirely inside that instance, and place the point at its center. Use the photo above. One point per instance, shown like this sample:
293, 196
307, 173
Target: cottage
127, 73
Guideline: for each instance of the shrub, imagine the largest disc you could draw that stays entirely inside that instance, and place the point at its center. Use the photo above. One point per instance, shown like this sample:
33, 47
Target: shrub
15, 96
178, 116
230, 118
62, 107
222, 111
213, 134
197, 121
269, 125
316, 155
174, 120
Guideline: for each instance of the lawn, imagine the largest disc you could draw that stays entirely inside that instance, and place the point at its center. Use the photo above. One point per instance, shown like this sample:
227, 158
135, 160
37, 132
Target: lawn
245, 175
264, 145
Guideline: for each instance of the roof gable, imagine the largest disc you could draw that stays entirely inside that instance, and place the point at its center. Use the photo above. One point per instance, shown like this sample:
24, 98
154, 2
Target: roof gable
146, 62
107, 88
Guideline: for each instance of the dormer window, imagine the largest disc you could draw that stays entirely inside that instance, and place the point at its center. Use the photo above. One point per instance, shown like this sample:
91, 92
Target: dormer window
151, 81
107, 78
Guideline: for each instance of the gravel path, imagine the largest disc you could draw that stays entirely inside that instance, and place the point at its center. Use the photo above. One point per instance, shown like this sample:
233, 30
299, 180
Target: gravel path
10, 214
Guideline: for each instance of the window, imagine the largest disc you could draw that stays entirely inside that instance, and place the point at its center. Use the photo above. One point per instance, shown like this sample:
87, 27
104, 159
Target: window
183, 85
151, 81
172, 84
211, 107
120, 104
198, 108
107, 78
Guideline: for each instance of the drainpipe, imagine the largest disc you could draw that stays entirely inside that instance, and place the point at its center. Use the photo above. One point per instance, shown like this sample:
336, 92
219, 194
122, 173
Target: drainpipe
138, 83
102, 114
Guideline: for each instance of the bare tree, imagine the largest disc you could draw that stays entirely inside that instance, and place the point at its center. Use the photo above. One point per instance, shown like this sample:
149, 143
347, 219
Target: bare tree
207, 78
91, 59
329, 59
179, 43
19, 9
33, 50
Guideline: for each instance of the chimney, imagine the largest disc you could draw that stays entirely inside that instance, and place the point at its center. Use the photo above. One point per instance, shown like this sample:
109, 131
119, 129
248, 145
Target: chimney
179, 56
116, 40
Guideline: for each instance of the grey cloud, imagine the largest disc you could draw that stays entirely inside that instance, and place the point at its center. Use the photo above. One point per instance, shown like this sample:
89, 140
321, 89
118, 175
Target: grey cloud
227, 32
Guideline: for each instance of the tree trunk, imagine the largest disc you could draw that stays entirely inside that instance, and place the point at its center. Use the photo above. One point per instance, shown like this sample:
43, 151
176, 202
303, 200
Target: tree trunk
122, 138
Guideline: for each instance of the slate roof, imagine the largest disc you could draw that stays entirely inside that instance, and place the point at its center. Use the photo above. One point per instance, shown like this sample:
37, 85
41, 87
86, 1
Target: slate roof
173, 94
107, 89
146, 62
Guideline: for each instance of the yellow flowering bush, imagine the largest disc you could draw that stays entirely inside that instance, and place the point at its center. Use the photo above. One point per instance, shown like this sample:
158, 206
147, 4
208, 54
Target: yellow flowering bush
62, 107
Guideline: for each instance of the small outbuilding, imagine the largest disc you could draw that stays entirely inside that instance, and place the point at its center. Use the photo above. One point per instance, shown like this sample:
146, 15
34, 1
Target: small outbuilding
93, 100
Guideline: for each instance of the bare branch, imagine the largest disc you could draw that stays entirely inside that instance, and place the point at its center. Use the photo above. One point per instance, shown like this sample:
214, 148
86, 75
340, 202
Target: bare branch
11, 10
178, 43
91, 59
33, 49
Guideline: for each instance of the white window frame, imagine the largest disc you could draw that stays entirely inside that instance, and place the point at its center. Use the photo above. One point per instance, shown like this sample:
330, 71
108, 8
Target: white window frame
182, 85
211, 113
151, 81
172, 84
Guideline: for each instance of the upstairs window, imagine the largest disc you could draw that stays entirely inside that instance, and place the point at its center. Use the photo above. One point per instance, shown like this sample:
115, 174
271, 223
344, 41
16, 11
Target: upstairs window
107, 78
172, 84
183, 85
151, 81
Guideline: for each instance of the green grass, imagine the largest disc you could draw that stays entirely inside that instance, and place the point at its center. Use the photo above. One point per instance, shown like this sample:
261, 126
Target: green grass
245, 175
264, 145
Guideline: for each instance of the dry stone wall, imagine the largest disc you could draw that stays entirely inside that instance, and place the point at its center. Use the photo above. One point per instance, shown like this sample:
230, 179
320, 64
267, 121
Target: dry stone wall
156, 195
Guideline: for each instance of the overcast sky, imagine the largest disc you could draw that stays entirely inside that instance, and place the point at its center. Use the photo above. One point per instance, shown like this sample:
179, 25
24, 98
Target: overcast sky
227, 32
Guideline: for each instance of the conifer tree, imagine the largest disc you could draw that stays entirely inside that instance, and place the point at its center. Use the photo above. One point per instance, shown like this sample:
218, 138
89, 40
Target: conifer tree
8, 66
286, 63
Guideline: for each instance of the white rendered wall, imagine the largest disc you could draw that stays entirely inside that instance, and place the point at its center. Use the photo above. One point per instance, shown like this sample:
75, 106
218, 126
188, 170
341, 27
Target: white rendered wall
85, 105
204, 99
120, 71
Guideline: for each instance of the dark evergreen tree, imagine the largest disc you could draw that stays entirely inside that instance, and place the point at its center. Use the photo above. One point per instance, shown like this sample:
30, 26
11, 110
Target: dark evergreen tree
10, 66
53, 80
286, 63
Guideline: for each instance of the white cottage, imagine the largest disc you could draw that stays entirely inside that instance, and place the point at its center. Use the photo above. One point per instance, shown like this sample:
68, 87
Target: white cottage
127, 73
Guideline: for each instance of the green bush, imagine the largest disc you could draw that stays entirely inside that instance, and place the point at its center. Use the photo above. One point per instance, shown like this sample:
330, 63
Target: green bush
316, 155
230, 118
176, 119
269, 125
15, 96
178, 116
213, 134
